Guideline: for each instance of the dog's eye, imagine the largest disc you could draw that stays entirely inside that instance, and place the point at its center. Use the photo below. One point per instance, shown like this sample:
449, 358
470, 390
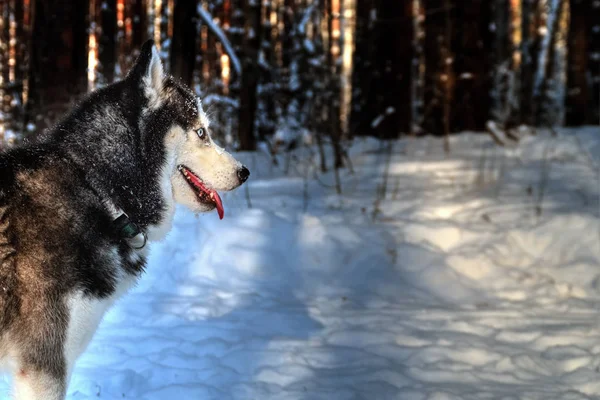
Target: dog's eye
201, 133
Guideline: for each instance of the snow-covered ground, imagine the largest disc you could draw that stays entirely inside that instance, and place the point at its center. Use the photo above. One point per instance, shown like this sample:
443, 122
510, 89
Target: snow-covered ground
477, 277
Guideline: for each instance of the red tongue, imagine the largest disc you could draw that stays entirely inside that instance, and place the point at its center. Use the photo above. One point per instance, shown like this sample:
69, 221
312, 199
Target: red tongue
217, 199
214, 196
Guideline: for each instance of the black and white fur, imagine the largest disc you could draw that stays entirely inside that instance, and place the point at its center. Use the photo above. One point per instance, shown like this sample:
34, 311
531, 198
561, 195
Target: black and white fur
61, 263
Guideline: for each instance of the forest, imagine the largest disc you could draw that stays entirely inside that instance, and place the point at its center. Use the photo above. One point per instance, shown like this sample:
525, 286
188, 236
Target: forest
335, 68
421, 220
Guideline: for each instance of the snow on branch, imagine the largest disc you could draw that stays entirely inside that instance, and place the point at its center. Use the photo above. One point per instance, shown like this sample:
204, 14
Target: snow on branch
540, 74
306, 18
216, 29
218, 99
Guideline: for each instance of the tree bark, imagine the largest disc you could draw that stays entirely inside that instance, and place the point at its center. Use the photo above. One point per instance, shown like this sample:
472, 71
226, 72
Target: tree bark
4, 57
542, 102
108, 39
139, 30
504, 104
21, 40
79, 39
530, 49
287, 41
267, 129
578, 89
364, 45
333, 94
58, 57
471, 105
250, 75
183, 49
434, 90
594, 61
385, 71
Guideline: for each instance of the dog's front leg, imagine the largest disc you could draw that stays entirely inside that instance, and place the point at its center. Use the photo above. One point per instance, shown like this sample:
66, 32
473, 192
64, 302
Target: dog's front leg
40, 365
36, 384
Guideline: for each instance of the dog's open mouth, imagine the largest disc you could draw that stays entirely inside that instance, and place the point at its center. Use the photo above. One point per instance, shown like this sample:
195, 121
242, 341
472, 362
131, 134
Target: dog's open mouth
205, 194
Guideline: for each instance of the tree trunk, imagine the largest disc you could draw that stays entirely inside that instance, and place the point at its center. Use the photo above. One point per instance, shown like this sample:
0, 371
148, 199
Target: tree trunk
58, 56
594, 61
418, 68
385, 74
578, 89
449, 77
108, 39
287, 41
30, 98
21, 40
400, 74
333, 92
546, 114
79, 39
183, 49
250, 75
4, 57
471, 105
434, 90
267, 128
139, 24
504, 107
530, 49
364, 45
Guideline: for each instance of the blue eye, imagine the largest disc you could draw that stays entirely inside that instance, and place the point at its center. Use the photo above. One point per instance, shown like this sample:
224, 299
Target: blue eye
201, 133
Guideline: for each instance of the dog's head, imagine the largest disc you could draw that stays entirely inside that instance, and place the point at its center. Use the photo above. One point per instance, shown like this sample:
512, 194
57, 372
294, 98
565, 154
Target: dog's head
196, 168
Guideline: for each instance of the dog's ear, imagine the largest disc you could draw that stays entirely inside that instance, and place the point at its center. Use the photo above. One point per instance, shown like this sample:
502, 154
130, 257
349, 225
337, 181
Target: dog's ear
148, 70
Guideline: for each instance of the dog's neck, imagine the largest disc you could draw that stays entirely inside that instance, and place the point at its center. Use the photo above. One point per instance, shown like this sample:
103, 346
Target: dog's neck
115, 204
120, 159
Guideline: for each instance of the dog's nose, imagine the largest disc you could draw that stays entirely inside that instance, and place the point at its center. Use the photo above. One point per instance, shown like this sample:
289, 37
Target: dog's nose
243, 174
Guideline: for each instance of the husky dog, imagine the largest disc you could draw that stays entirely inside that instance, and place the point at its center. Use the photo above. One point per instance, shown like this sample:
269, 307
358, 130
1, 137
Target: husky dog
77, 206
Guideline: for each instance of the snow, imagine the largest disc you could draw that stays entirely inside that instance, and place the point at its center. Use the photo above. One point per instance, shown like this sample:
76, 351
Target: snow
213, 98
458, 289
309, 46
379, 119
289, 135
497, 133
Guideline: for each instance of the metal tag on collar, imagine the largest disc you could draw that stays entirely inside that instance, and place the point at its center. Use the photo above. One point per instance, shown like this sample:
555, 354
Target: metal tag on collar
130, 232
126, 229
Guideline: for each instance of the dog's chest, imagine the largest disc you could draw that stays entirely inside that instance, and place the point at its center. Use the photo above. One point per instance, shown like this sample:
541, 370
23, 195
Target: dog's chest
86, 313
